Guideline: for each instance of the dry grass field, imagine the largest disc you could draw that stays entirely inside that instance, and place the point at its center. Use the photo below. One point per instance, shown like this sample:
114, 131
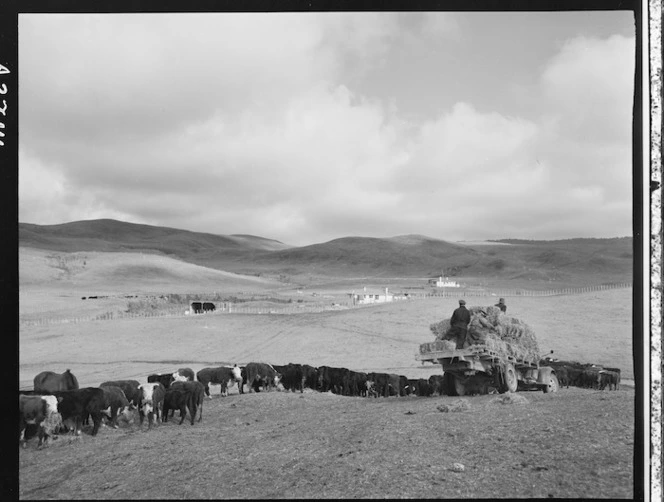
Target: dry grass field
575, 443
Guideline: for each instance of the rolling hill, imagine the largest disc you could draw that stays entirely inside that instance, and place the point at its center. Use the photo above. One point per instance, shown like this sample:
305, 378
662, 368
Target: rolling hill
570, 261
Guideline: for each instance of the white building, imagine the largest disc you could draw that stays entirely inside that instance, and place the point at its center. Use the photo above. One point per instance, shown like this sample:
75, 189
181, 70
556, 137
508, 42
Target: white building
440, 283
371, 296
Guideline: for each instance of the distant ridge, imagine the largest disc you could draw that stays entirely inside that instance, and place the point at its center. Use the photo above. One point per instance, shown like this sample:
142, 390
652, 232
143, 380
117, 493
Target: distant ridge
583, 260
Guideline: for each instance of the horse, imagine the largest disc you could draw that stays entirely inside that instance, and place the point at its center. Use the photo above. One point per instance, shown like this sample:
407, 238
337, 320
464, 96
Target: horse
48, 381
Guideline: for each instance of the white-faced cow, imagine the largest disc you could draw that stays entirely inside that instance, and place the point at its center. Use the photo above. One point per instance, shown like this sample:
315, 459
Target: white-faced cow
151, 402
116, 405
222, 375
183, 375
41, 411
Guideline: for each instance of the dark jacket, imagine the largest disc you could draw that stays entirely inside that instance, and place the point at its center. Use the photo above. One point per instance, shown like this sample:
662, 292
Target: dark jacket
501, 306
460, 317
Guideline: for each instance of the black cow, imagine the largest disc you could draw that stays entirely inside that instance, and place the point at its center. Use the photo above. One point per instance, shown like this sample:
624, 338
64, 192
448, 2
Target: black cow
310, 376
336, 380
617, 371
437, 386
294, 376
221, 375
208, 307
77, 404
129, 387
196, 391
115, 401
358, 383
608, 378
49, 381
423, 388
395, 384
381, 384
197, 307
178, 399
166, 379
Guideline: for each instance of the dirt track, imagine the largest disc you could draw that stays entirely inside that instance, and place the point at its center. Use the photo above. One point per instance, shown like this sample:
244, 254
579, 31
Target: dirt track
575, 443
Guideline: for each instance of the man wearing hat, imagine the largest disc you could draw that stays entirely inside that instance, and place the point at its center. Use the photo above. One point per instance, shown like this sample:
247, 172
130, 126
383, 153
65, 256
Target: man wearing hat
459, 321
501, 305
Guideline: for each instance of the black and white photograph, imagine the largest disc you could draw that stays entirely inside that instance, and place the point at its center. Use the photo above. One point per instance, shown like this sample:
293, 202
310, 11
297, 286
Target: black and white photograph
297, 255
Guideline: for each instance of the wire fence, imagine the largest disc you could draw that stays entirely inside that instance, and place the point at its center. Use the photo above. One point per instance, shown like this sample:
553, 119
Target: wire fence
285, 308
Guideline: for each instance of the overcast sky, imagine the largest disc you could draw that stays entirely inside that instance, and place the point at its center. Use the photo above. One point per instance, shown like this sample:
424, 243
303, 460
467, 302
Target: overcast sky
308, 127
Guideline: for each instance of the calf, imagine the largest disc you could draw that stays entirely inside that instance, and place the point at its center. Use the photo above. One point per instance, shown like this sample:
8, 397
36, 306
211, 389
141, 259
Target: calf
222, 375
151, 402
177, 399
129, 387
116, 405
196, 392
165, 379
183, 375
39, 411
77, 404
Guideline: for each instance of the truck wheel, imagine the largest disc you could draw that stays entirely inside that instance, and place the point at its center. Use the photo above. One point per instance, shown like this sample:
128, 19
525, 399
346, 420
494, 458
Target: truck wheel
553, 384
510, 382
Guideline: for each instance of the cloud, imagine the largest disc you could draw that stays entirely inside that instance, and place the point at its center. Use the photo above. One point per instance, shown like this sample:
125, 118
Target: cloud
256, 125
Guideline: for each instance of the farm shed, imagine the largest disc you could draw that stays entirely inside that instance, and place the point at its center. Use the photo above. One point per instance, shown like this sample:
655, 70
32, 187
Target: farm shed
371, 296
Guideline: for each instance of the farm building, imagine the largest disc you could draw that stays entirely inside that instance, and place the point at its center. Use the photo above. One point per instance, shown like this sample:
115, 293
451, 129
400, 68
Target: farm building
371, 296
440, 283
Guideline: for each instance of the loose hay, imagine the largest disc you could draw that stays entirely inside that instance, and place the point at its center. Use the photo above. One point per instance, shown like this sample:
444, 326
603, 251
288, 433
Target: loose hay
52, 423
456, 406
510, 399
498, 332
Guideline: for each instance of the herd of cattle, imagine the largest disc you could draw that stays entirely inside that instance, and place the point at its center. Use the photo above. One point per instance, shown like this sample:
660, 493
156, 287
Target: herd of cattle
57, 403
589, 376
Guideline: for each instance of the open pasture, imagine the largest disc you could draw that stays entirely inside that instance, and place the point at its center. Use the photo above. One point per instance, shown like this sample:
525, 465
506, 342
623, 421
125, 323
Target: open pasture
574, 443
591, 327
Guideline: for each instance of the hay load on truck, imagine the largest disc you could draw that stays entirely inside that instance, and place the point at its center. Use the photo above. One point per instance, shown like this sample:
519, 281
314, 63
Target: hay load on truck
498, 352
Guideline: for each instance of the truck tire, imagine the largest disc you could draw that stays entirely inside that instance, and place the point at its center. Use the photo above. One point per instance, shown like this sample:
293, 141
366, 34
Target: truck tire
553, 384
509, 380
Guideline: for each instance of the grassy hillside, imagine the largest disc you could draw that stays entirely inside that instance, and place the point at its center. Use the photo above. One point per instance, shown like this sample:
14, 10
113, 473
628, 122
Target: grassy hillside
112, 235
537, 264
